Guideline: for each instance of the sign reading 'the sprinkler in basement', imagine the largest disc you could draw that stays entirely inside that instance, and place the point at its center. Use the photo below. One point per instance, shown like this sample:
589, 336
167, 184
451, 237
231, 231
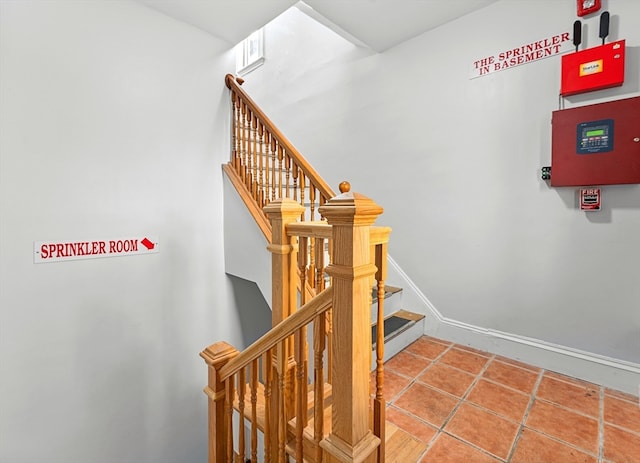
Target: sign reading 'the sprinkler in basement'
56, 251
521, 54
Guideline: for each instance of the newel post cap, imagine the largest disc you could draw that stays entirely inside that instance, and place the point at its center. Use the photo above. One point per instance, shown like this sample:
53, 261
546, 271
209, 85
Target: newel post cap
350, 208
283, 207
218, 354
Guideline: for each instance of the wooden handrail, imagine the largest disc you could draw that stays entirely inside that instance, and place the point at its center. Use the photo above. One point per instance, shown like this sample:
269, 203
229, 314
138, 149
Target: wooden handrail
310, 229
283, 141
302, 317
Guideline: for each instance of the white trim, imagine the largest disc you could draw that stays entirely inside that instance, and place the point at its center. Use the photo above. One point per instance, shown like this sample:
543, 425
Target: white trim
250, 67
606, 371
246, 63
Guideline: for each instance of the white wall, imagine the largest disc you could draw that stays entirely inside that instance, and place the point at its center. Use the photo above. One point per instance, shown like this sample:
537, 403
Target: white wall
455, 163
113, 123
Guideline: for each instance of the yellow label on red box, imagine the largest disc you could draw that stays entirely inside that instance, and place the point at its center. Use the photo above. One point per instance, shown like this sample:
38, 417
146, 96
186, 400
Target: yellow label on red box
592, 67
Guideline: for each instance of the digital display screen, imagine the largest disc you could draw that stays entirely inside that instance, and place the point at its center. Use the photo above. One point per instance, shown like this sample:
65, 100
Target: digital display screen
595, 137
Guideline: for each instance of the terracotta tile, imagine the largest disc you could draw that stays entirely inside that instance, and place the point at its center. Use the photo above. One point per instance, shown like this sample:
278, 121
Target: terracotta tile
392, 385
533, 447
427, 403
464, 360
511, 376
426, 347
447, 449
407, 364
622, 413
568, 426
441, 341
412, 425
517, 363
447, 379
569, 379
484, 353
621, 446
581, 398
483, 429
499, 399
622, 395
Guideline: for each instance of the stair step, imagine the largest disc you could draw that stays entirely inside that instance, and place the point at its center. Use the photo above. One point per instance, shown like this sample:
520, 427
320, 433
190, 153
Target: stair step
395, 324
402, 447
388, 292
392, 302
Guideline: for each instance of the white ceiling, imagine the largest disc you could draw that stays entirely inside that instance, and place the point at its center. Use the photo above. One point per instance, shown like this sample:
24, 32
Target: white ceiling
378, 24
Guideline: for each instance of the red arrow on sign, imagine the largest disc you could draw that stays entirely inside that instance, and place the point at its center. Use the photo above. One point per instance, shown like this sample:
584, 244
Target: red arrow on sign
148, 244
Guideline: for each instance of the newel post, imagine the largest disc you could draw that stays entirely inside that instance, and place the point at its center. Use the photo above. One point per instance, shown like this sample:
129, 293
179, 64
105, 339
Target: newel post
351, 216
282, 212
216, 356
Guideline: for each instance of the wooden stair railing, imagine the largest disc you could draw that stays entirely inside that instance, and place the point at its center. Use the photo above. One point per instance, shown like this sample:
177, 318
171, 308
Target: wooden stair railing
266, 357
277, 362
265, 165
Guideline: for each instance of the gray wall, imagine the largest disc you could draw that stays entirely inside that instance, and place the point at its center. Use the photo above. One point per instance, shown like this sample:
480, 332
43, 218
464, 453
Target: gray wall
113, 123
455, 163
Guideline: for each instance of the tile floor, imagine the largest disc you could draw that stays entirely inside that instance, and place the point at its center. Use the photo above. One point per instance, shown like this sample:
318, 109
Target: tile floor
475, 407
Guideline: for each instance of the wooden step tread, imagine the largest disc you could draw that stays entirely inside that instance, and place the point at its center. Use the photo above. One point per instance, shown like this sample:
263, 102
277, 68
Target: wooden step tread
402, 447
388, 292
394, 324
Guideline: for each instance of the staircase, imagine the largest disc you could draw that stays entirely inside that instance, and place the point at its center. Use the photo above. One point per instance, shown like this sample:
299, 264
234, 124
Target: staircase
304, 388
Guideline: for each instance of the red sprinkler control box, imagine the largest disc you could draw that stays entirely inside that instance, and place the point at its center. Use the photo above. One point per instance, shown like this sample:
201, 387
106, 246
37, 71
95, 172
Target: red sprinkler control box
597, 144
593, 69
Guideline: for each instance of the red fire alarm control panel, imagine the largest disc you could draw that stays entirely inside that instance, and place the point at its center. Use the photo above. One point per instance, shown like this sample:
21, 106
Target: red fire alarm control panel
597, 144
593, 69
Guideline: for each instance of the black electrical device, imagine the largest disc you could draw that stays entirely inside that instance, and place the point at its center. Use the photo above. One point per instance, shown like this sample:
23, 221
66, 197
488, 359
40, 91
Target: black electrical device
546, 173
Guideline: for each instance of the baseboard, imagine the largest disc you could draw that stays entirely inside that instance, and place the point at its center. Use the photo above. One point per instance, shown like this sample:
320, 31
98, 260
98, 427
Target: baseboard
609, 372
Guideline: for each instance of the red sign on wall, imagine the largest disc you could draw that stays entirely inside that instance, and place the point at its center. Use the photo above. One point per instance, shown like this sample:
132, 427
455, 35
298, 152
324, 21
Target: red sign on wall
55, 251
590, 199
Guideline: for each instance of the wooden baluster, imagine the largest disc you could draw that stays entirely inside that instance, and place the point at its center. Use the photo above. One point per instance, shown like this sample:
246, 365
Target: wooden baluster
329, 328
217, 356
267, 362
312, 202
273, 168
250, 153
261, 198
379, 403
294, 174
269, 178
238, 125
287, 166
254, 410
311, 274
319, 265
241, 406
254, 149
282, 360
301, 383
280, 169
351, 216
243, 142
319, 346
303, 255
229, 411
302, 187
234, 139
